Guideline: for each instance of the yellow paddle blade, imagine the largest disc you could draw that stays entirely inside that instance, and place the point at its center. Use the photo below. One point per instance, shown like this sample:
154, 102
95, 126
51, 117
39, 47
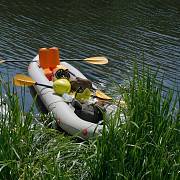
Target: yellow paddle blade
101, 95
2, 61
97, 60
23, 80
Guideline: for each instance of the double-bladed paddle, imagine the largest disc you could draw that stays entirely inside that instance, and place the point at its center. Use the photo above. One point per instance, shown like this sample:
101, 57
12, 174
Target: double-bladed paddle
23, 80
91, 60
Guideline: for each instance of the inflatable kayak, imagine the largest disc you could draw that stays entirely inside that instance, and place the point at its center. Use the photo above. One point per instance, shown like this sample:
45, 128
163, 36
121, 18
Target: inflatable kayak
67, 116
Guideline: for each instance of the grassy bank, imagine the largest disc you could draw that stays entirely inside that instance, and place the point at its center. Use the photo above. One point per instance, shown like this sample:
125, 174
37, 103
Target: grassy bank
31, 150
145, 146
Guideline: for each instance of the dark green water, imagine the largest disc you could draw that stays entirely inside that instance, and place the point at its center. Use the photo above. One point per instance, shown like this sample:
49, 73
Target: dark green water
120, 30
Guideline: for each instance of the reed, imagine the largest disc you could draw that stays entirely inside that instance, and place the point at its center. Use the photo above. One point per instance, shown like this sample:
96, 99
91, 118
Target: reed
31, 150
143, 146
147, 145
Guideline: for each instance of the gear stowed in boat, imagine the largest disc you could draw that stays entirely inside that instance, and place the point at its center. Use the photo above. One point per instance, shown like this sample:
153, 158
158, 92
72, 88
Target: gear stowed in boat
73, 100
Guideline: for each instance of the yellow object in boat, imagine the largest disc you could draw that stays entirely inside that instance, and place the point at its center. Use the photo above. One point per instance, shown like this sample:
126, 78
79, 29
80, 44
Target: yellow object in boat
61, 86
83, 96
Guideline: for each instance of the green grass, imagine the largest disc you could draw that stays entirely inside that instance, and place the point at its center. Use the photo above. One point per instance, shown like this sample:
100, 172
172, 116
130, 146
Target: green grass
145, 146
34, 151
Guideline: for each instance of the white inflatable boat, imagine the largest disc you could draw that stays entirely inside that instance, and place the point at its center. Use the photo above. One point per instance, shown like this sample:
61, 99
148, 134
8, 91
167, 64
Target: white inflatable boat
63, 111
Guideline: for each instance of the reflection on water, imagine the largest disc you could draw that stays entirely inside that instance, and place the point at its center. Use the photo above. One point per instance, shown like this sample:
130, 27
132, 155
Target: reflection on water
121, 30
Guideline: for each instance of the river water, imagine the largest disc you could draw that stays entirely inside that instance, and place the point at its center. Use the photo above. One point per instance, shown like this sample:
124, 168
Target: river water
123, 31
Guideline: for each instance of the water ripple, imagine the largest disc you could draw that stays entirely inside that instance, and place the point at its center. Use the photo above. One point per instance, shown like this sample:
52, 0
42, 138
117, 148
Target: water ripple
125, 32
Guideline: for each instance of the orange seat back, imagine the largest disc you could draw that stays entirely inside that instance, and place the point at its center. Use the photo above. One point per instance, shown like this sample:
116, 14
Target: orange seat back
43, 58
49, 58
53, 57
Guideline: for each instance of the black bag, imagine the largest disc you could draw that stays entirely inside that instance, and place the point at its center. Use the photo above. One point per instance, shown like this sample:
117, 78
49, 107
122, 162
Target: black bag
91, 113
79, 82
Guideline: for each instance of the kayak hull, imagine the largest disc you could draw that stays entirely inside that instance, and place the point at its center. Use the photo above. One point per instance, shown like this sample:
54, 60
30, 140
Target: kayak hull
62, 111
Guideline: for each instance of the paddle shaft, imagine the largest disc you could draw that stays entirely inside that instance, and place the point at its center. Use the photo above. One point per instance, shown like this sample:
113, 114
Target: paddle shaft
92, 60
36, 61
39, 84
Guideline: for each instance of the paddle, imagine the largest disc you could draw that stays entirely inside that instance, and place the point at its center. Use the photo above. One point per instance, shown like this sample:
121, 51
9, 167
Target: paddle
91, 60
23, 80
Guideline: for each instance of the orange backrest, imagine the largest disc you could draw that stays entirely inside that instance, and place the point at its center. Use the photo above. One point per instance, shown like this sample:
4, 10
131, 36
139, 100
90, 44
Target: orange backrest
53, 57
43, 58
49, 58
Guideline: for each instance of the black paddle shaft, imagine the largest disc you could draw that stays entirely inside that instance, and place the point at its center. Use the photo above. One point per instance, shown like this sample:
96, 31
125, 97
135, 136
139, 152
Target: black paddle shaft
48, 86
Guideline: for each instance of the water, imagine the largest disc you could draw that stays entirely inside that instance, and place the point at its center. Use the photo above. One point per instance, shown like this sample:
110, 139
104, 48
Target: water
120, 30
